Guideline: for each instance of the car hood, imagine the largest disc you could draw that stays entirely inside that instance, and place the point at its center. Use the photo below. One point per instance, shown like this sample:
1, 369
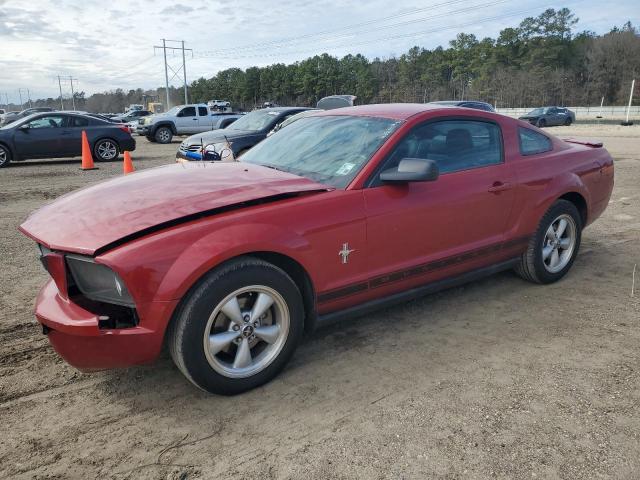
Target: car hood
90, 219
220, 135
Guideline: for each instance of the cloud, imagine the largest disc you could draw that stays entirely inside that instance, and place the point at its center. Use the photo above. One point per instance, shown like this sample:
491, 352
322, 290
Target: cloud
176, 9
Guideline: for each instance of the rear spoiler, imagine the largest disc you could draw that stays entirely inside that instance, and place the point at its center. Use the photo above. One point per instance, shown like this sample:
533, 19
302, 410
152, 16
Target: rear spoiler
588, 143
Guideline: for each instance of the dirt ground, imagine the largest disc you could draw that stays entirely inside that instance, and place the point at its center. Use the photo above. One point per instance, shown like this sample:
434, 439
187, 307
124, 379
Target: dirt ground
496, 379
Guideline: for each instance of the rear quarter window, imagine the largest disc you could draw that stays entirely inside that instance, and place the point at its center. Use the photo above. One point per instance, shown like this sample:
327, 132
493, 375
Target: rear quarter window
532, 143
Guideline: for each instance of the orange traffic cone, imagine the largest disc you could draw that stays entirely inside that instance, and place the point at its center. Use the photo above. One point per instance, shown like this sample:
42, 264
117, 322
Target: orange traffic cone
87, 158
128, 164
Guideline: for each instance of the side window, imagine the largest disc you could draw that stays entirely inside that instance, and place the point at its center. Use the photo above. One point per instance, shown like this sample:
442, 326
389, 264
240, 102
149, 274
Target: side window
453, 144
78, 122
202, 111
188, 112
533, 142
50, 121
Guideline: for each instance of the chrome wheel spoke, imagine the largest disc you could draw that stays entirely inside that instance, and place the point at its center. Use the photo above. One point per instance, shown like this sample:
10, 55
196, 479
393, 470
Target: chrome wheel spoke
243, 355
220, 341
546, 251
565, 243
562, 225
232, 310
555, 258
269, 333
263, 302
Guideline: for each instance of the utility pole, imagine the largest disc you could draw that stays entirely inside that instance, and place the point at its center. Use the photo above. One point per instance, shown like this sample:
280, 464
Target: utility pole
168, 67
29, 98
20, 94
184, 71
60, 85
73, 96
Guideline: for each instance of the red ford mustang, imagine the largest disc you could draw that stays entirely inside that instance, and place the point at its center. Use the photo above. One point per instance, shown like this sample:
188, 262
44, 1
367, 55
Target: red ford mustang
339, 213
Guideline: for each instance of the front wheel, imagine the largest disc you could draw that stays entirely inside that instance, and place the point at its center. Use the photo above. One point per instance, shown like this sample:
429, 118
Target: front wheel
105, 150
541, 123
568, 122
554, 247
5, 156
238, 328
163, 135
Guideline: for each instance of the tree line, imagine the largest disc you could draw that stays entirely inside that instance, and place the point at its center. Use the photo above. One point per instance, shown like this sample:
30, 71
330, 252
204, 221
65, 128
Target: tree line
539, 62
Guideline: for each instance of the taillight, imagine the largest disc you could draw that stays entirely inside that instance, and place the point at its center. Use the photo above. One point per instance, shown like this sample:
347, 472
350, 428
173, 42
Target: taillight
125, 128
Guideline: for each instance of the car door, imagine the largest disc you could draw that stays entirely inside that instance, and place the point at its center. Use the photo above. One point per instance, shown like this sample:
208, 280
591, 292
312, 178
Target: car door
187, 121
40, 137
71, 135
424, 231
205, 119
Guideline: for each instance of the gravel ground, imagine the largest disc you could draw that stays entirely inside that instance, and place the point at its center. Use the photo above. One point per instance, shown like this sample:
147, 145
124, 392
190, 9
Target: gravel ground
496, 379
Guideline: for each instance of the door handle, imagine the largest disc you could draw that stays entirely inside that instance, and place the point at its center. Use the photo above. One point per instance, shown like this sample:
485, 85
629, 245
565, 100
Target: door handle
498, 187
194, 119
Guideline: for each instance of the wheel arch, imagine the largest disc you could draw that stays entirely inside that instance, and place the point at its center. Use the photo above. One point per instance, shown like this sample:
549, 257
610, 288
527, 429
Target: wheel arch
580, 203
11, 151
171, 126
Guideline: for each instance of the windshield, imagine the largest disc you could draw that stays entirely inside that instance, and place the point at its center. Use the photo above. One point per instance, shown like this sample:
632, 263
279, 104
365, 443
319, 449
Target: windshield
254, 121
329, 150
173, 111
537, 111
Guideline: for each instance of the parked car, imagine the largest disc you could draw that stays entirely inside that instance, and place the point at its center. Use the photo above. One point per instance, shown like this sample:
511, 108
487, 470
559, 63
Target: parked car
183, 120
292, 119
549, 116
13, 116
59, 134
350, 210
131, 116
487, 107
243, 134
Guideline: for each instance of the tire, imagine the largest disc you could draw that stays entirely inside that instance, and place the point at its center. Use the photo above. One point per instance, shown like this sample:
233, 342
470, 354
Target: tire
226, 371
568, 122
541, 123
163, 135
537, 263
105, 150
5, 156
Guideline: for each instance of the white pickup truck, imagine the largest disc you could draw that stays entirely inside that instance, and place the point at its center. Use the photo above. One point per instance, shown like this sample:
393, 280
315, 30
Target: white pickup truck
183, 120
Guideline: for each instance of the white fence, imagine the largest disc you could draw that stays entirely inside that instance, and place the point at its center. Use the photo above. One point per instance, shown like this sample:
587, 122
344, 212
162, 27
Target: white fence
612, 113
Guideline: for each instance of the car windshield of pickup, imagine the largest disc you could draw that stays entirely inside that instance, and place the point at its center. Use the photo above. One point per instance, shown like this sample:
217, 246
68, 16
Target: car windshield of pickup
254, 121
326, 149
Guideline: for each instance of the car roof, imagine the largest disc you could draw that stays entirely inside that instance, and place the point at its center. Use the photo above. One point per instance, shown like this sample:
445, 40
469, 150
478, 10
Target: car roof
283, 109
395, 111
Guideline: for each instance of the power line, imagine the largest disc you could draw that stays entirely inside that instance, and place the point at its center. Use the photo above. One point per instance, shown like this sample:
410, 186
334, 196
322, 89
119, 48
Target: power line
330, 31
393, 37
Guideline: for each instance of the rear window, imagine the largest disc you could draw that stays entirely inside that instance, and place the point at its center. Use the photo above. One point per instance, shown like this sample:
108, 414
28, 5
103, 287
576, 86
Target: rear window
78, 122
532, 142
202, 111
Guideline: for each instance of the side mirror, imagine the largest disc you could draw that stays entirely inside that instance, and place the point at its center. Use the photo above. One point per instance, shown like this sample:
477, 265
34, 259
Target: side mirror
24, 127
411, 170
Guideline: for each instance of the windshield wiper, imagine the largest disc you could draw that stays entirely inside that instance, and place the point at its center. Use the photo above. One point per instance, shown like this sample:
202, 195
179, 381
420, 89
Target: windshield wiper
273, 167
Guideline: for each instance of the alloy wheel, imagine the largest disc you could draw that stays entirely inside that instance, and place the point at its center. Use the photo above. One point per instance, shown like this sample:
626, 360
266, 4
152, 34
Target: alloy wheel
559, 243
107, 150
246, 331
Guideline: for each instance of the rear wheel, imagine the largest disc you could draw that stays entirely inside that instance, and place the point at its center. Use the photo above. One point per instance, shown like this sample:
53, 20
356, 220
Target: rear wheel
163, 135
238, 328
5, 156
554, 247
541, 123
105, 150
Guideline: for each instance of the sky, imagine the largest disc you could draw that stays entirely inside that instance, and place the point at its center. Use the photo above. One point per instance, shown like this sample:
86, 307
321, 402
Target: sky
105, 45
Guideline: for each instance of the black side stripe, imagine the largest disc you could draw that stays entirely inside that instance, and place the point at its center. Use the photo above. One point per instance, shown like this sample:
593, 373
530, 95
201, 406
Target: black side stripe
417, 270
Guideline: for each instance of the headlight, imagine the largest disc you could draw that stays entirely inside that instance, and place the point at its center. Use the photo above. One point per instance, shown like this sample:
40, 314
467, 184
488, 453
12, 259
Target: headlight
98, 282
217, 151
